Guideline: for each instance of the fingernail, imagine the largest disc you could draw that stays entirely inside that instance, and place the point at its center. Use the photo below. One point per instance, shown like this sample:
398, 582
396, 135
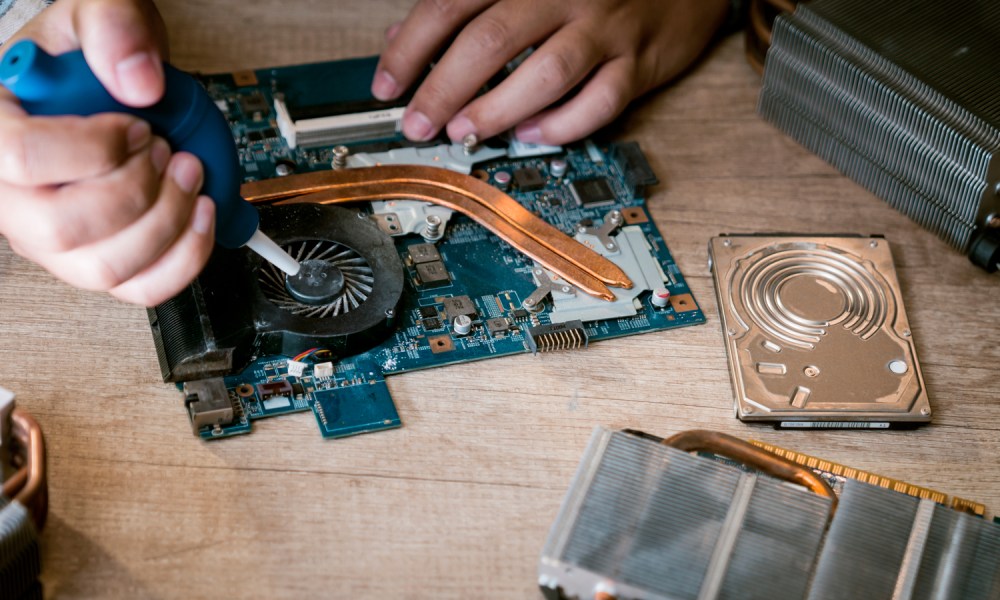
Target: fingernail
138, 135
417, 127
529, 132
159, 154
137, 75
204, 215
186, 172
460, 127
384, 86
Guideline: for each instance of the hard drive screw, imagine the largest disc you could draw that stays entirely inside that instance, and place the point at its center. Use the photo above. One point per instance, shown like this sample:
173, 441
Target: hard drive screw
873, 244
906, 333
748, 410
727, 243
730, 332
993, 221
925, 411
340, 154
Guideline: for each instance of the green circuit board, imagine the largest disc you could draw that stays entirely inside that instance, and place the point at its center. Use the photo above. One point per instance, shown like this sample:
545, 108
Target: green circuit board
483, 278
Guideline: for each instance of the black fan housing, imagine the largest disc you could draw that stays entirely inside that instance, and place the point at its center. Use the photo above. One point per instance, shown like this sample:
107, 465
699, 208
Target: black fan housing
241, 308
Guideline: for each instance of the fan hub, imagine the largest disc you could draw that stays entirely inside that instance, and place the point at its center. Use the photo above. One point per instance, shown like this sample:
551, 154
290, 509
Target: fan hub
317, 282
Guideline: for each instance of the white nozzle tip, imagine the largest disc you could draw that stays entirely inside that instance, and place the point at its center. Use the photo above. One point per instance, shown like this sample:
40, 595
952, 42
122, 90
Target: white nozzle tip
273, 253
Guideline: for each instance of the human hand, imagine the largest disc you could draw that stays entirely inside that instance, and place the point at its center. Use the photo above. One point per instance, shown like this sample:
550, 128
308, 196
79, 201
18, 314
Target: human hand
99, 201
592, 58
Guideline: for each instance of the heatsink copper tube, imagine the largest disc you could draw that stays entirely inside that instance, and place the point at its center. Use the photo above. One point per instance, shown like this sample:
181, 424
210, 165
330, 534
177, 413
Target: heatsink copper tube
721, 444
28, 485
493, 209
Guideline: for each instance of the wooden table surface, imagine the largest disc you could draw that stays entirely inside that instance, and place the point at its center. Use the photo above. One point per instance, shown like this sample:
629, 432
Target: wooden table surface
458, 501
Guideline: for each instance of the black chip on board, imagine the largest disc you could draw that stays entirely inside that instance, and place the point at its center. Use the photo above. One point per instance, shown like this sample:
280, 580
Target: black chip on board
519, 313
433, 274
254, 103
460, 305
254, 136
427, 312
594, 190
422, 253
497, 326
432, 324
528, 179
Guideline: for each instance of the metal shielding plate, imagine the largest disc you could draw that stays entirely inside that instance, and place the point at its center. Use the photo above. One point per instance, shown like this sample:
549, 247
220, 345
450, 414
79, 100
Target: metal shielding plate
816, 333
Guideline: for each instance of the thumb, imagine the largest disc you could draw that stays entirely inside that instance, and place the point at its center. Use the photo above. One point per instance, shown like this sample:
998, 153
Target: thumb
121, 42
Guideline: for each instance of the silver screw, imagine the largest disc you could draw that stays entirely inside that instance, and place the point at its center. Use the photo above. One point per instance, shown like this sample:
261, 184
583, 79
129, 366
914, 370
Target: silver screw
993, 221
529, 302
565, 289
340, 154
873, 244
811, 371
731, 332
748, 410
615, 216
609, 246
432, 228
469, 143
925, 411
906, 333
390, 313
727, 243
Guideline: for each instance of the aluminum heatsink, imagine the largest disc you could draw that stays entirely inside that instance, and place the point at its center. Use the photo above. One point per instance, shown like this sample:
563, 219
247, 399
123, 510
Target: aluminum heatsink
643, 520
903, 97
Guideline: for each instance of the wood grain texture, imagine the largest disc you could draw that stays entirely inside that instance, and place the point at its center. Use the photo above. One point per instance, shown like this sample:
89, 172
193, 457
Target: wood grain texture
458, 502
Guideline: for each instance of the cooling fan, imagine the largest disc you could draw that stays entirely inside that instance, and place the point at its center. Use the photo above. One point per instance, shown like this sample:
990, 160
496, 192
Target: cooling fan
240, 308
816, 332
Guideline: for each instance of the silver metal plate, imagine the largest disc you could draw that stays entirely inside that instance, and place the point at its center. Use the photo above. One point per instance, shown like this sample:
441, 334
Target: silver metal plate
816, 332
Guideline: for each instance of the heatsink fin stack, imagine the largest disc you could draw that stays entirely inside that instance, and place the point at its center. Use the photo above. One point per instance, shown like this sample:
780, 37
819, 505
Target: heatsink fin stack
902, 96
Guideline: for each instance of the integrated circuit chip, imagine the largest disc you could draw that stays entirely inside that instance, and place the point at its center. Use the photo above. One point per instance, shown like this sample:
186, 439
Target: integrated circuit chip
460, 305
433, 274
497, 326
424, 253
529, 179
254, 103
593, 190
427, 312
432, 323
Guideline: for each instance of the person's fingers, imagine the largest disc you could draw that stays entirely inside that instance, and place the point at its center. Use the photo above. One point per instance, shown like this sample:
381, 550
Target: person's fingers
114, 260
178, 266
423, 33
51, 150
481, 50
545, 77
120, 41
602, 99
63, 218
392, 30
